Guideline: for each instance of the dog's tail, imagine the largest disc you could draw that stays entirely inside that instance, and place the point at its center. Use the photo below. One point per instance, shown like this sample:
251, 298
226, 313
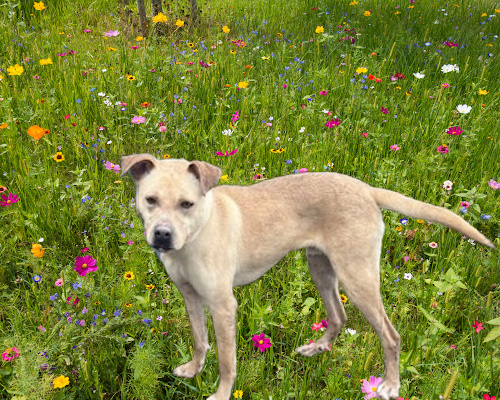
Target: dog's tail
413, 208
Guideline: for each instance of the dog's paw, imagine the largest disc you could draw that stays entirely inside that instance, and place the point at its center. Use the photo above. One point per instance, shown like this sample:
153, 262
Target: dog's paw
188, 370
312, 348
387, 391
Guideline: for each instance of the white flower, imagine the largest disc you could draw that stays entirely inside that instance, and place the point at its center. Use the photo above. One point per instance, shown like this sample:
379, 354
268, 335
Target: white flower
101, 94
277, 138
301, 130
104, 70
40, 240
448, 185
472, 242
464, 108
350, 331
408, 276
108, 103
449, 68
325, 111
271, 118
227, 132
418, 75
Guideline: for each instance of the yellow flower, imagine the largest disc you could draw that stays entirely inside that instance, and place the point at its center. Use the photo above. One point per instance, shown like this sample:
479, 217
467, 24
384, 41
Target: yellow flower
497, 10
166, 156
159, 18
243, 84
150, 287
238, 394
128, 305
131, 77
399, 229
1, 77
111, 48
319, 29
265, 58
361, 70
15, 70
37, 250
232, 51
397, 12
139, 38
59, 157
60, 382
179, 23
367, 13
39, 6
129, 275
484, 15
420, 221
46, 61
226, 29
343, 298
353, 3
224, 177
483, 92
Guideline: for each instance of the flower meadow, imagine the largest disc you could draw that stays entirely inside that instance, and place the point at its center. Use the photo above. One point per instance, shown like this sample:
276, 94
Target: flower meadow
403, 95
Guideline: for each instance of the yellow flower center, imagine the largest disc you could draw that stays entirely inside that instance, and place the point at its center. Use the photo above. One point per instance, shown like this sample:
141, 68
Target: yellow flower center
374, 389
84, 266
8, 201
261, 342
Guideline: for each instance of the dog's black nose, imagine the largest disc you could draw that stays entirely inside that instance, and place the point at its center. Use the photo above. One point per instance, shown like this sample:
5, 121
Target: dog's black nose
163, 238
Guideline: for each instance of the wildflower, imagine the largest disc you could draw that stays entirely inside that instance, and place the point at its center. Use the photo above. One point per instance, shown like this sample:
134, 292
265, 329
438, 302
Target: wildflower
464, 108
238, 394
10, 354
478, 326
323, 92
111, 33
145, 104
434, 245
493, 184
448, 185
225, 154
450, 68
150, 287
443, 149
350, 331
343, 298
404, 221
8, 200
59, 282
15, 70
316, 327
179, 23
129, 275
261, 342
37, 132
384, 110
227, 132
445, 85
139, 38
465, 204
483, 92
319, 29
129, 78
85, 264
333, 122
110, 166
361, 70
370, 387
408, 276
46, 61
394, 147
59, 157
138, 120
42, 329
37, 250
60, 382
487, 396
454, 130
418, 75
226, 29
367, 13
39, 6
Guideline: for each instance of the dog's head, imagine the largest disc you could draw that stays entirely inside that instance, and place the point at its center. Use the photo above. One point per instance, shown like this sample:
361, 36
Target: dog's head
172, 197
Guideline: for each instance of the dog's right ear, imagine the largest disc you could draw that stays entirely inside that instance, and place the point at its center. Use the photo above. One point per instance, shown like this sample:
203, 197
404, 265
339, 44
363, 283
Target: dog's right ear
138, 165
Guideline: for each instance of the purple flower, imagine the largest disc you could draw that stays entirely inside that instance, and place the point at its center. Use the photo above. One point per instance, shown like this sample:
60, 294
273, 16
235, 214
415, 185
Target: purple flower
111, 33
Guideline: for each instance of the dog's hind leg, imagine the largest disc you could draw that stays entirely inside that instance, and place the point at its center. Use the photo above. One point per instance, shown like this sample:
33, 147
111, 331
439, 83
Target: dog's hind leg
326, 281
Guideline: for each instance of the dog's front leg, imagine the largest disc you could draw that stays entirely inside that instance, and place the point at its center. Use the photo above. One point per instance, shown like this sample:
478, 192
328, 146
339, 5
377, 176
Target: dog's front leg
196, 312
223, 311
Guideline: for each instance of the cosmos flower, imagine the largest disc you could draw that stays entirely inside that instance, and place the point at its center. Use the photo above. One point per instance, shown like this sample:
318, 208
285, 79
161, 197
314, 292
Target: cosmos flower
8, 200
418, 75
138, 120
370, 387
111, 33
85, 264
261, 342
454, 130
464, 108
449, 68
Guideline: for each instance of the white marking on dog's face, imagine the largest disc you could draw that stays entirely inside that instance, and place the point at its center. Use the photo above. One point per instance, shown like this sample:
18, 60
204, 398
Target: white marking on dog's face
171, 205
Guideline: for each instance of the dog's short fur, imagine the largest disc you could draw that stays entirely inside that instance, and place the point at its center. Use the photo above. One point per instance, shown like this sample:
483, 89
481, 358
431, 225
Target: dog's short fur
211, 239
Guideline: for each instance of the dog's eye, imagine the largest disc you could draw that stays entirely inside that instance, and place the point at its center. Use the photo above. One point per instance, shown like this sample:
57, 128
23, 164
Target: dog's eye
187, 204
151, 200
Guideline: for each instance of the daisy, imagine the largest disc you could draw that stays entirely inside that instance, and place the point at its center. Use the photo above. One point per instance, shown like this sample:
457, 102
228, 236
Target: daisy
449, 68
464, 108
418, 75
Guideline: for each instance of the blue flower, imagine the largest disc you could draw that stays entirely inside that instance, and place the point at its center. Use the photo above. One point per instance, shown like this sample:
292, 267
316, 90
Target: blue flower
36, 278
78, 101
54, 297
117, 312
486, 217
141, 344
77, 285
404, 221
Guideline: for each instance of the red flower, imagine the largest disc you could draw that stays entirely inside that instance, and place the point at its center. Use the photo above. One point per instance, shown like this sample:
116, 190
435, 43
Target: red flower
488, 397
478, 326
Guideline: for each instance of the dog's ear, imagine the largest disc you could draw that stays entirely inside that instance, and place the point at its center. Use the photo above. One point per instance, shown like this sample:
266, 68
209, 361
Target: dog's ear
138, 165
206, 173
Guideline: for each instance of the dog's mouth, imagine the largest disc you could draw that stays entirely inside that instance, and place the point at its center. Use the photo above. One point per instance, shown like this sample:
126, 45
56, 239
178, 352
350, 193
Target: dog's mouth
162, 249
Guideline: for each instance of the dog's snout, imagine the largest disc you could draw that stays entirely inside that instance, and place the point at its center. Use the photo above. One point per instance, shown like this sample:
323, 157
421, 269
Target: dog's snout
162, 238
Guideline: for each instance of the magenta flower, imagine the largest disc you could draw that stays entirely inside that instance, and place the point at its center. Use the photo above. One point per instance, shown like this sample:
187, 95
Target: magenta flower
333, 122
323, 92
219, 153
85, 264
493, 184
394, 147
384, 110
110, 166
370, 387
303, 170
450, 44
443, 149
236, 116
261, 342
465, 204
445, 85
111, 33
478, 326
86, 30
10, 354
9, 200
316, 327
138, 120
454, 130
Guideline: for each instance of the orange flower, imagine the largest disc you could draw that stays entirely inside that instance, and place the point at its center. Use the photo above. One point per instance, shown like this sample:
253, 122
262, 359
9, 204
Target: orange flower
37, 250
146, 104
36, 132
3, 126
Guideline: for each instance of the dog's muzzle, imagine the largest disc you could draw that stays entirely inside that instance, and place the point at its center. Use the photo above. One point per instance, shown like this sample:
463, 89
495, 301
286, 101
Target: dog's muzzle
162, 238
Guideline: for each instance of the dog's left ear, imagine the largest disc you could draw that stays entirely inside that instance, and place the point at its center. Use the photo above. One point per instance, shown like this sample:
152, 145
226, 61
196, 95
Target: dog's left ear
206, 173
138, 165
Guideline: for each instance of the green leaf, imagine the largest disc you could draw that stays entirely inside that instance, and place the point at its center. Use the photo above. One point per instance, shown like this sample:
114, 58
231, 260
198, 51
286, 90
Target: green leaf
435, 322
495, 321
492, 335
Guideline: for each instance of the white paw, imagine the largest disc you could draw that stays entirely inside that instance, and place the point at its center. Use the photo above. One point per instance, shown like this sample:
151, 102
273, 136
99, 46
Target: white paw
188, 370
387, 391
311, 349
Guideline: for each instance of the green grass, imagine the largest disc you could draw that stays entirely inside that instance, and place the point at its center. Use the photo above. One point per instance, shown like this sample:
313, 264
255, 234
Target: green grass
78, 203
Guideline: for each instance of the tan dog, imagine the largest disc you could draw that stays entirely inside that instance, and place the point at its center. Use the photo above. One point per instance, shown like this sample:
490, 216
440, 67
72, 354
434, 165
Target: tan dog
211, 239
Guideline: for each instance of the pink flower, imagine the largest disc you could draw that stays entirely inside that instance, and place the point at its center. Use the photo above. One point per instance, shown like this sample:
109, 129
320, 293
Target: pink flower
450, 44
316, 327
130, 242
10, 354
261, 342
365, 134
443, 149
478, 326
59, 282
86, 30
84, 250
284, 86
111, 33
384, 110
434, 245
41, 328
370, 387
488, 397
394, 147
219, 153
236, 116
445, 85
303, 170
454, 130
465, 204
66, 116
333, 122
138, 120
323, 93
85, 264
110, 166
9, 200
453, 347
493, 184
